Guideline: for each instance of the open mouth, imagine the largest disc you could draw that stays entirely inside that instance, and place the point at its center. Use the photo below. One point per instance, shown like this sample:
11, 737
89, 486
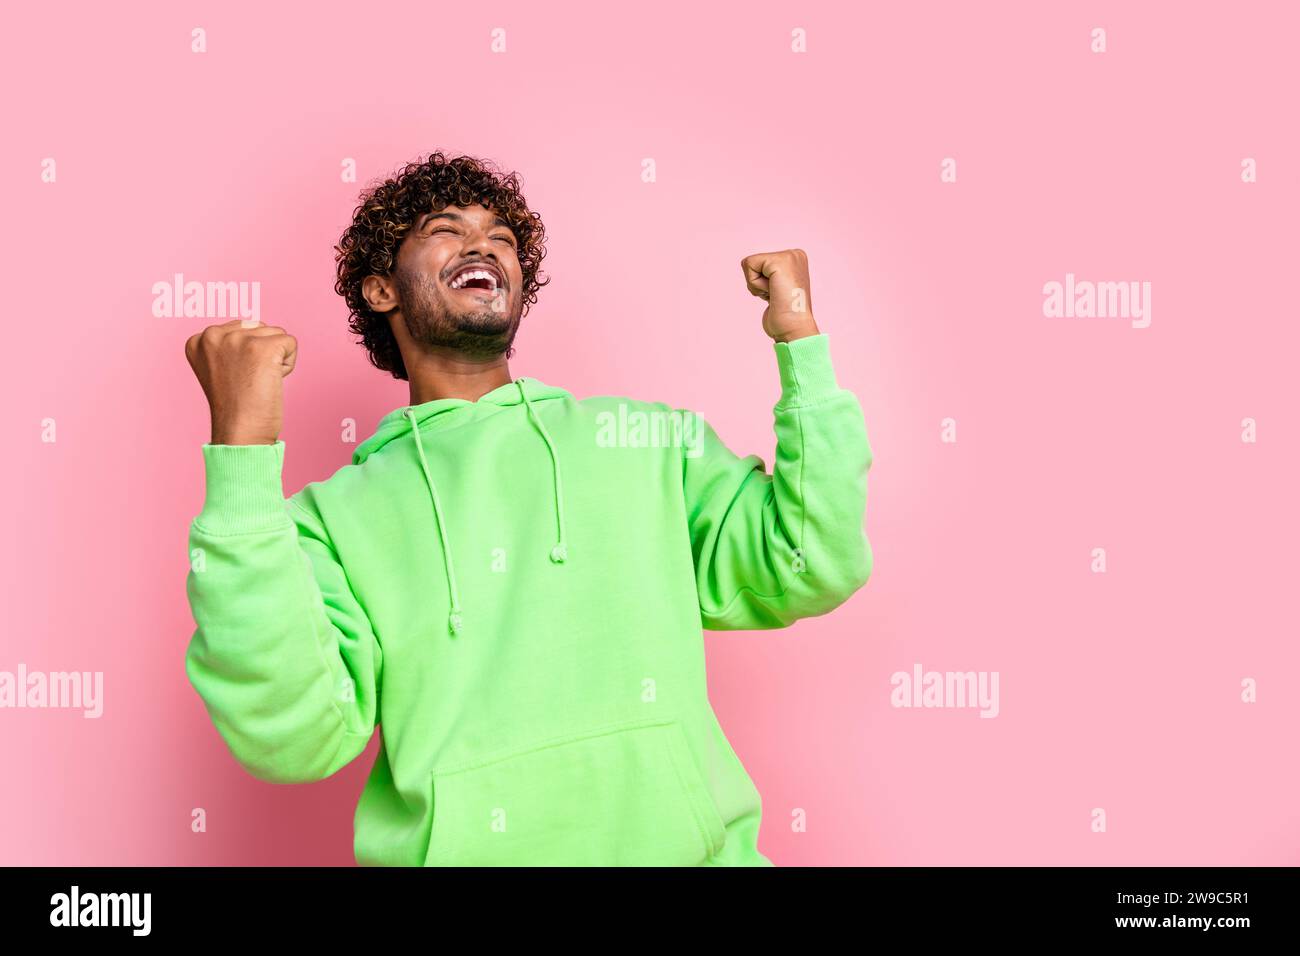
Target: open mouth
481, 279
478, 293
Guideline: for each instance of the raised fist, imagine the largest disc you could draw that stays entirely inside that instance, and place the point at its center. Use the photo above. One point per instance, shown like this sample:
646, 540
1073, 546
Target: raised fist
242, 368
781, 280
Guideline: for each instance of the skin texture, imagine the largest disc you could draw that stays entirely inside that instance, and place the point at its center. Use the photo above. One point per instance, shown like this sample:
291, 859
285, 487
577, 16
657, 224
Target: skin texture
453, 343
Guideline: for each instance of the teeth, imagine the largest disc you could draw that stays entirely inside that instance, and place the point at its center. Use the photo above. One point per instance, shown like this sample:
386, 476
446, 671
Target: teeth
462, 278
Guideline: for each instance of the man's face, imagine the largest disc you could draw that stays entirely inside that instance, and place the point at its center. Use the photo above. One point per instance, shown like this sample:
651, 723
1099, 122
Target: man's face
445, 298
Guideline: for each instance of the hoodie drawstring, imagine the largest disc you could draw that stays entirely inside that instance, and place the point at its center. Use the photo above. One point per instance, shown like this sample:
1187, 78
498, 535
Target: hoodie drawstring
454, 620
561, 550
559, 553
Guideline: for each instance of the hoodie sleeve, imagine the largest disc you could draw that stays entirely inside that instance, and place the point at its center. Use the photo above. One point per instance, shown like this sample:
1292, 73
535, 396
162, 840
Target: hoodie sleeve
771, 549
284, 656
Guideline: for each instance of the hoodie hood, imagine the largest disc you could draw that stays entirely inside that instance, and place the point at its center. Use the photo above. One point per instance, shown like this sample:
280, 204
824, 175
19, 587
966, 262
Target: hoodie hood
444, 413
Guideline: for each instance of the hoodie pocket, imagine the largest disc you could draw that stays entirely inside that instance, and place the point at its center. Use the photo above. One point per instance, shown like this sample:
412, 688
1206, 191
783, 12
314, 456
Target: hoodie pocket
628, 795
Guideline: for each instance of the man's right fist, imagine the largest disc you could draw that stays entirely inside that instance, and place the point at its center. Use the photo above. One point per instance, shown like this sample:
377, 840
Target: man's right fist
242, 370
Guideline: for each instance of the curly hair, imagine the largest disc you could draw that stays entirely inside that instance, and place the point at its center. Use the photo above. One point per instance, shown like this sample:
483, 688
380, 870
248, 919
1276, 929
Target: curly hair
387, 212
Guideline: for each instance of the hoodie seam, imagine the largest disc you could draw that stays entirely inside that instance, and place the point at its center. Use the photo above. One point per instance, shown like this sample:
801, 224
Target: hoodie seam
275, 528
820, 399
741, 592
743, 589
803, 457
550, 743
803, 524
303, 576
328, 543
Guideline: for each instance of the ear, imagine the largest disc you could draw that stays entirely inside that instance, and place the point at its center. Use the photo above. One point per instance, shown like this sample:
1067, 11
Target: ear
380, 292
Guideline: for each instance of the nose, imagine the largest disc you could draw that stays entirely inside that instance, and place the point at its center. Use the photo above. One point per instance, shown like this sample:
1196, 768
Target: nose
477, 246
477, 241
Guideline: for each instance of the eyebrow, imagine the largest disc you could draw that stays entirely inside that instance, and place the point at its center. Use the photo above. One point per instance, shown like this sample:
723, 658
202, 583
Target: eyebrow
430, 216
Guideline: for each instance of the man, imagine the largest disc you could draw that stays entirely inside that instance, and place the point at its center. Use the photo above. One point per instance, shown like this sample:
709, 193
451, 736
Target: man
511, 581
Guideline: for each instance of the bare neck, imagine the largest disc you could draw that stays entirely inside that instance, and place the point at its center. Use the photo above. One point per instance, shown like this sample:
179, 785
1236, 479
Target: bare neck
446, 374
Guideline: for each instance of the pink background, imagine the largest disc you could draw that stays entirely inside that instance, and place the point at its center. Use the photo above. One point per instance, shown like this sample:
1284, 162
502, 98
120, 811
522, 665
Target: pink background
1118, 690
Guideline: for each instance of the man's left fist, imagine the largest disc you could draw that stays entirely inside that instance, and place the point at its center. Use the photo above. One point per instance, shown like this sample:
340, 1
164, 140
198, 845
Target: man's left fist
781, 279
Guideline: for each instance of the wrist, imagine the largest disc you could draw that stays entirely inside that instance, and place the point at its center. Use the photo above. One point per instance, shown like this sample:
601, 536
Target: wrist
227, 431
801, 331
236, 436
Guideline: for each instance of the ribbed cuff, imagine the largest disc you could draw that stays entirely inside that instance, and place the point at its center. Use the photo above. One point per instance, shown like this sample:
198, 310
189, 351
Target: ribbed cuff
806, 372
244, 492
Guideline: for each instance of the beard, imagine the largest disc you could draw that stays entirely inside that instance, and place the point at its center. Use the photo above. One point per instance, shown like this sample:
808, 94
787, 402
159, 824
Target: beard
434, 319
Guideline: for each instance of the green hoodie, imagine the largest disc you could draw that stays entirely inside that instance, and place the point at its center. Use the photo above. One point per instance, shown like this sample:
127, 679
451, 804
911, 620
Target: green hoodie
514, 588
